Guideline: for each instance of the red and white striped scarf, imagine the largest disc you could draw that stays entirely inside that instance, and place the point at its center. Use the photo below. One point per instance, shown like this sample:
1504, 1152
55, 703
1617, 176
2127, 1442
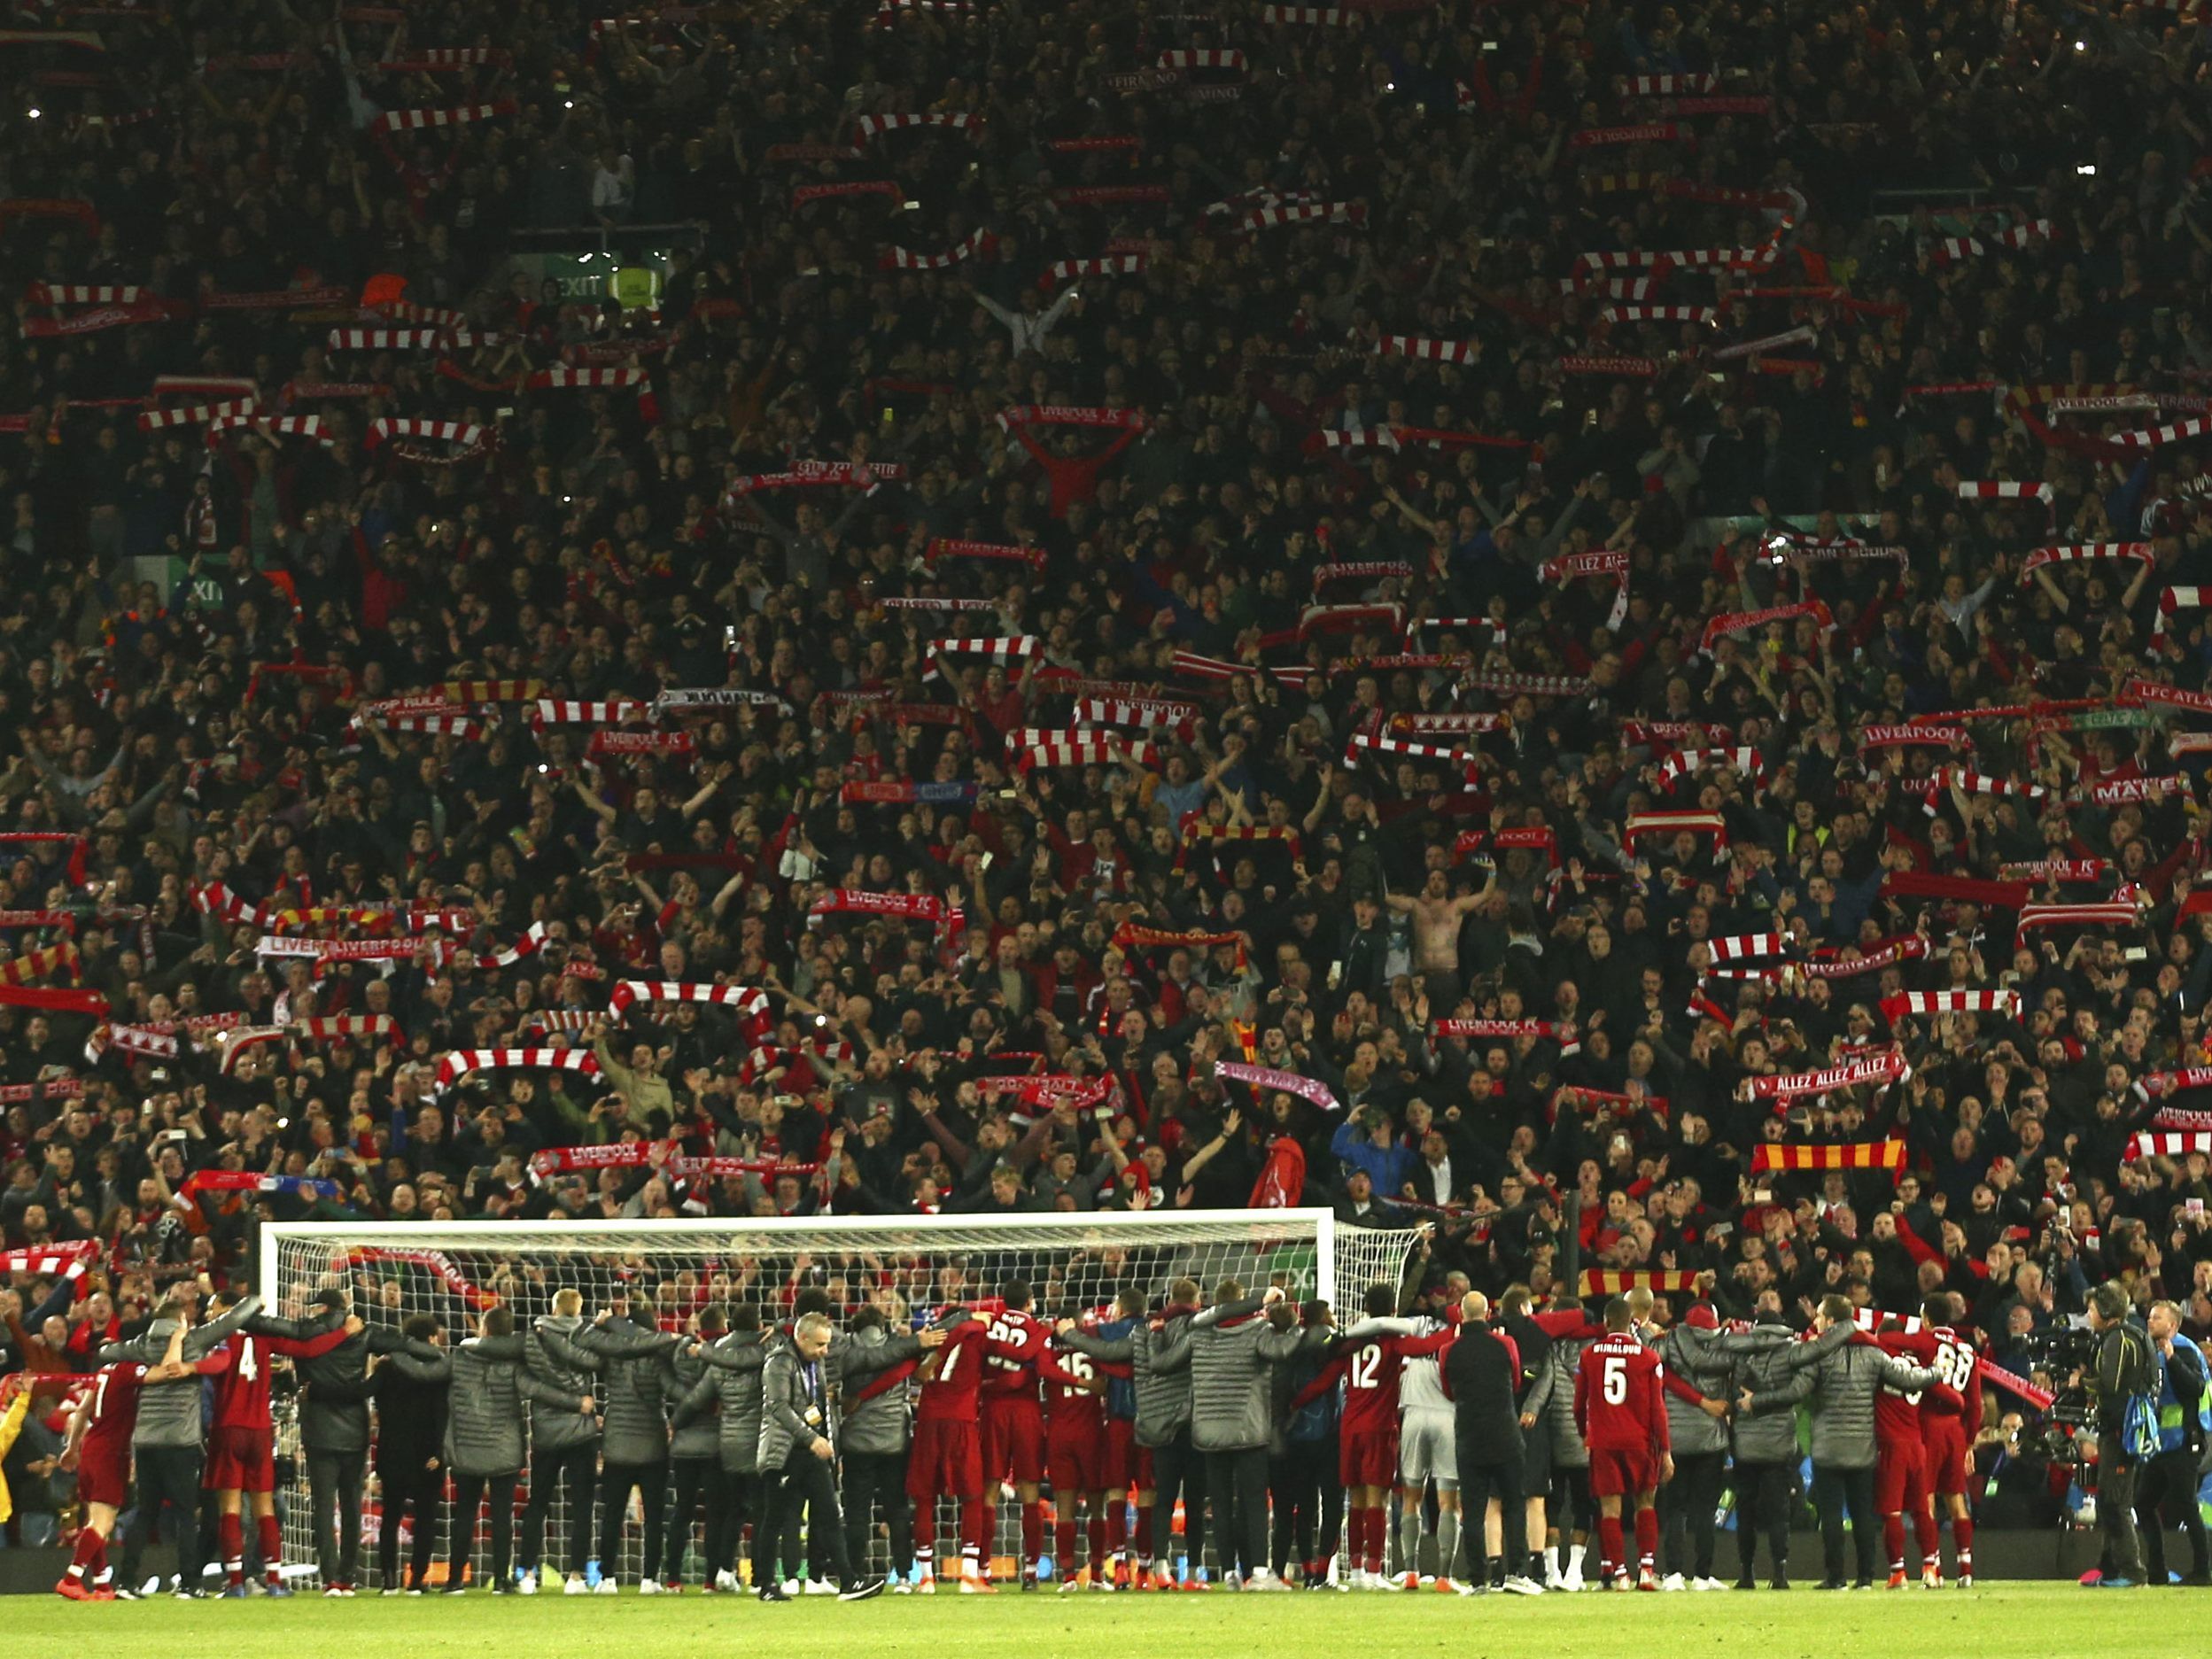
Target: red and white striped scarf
2171, 1144
745, 999
1642, 824
968, 247
1666, 86
1887, 1066
1108, 265
559, 712
2170, 600
1427, 349
415, 120
1705, 314
2005, 489
1145, 713
1363, 742
868, 126
2139, 552
2111, 914
83, 294
1086, 749
192, 414
460, 1063
1739, 622
1215, 57
1304, 214
1683, 761
1973, 782
1748, 947
2005, 1002
469, 438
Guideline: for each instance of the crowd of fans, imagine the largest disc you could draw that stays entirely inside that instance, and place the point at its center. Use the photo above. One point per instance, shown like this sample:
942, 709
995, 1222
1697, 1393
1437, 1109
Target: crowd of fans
358, 589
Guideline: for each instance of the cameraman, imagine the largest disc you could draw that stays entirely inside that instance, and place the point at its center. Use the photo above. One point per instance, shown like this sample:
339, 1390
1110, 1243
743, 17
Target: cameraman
2170, 1479
2123, 1385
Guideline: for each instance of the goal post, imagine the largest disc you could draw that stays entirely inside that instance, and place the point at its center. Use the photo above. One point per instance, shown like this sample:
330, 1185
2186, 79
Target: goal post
908, 1266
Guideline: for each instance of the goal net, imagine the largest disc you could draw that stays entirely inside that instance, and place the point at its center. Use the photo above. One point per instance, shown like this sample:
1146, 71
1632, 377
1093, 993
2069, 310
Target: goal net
907, 1266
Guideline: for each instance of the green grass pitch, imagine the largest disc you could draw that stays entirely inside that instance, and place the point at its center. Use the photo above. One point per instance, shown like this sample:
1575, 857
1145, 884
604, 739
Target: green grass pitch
2053, 1621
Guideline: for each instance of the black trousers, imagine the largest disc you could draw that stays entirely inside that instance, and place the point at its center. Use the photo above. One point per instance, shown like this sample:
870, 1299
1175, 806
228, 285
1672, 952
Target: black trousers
570, 1474
1835, 1490
1765, 1501
2169, 1483
1480, 1481
333, 1491
804, 1481
1308, 1502
728, 1507
469, 1491
1686, 1507
2116, 1473
872, 1479
1238, 1483
168, 1476
690, 1480
649, 1481
1178, 1472
419, 1491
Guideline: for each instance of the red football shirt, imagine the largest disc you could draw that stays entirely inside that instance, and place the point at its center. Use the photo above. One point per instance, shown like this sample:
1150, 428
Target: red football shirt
948, 1396
1371, 1374
1076, 1413
242, 1382
114, 1410
1619, 1399
1017, 1341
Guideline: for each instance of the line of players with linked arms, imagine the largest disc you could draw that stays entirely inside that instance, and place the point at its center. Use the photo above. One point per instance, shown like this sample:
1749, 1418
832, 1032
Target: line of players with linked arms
1251, 1411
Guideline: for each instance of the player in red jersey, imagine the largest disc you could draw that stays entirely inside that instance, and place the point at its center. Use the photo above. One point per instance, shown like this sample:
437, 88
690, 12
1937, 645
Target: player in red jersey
1620, 1407
1014, 1422
241, 1448
98, 1446
1076, 1456
947, 1461
1900, 1461
1948, 1427
1367, 1447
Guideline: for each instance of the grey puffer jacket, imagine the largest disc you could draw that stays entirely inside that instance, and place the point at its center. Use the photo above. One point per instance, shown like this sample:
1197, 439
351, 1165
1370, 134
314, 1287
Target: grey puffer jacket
168, 1412
335, 1389
884, 1424
1768, 1432
1233, 1352
1839, 1386
728, 1395
1568, 1448
639, 1385
698, 1435
484, 1430
551, 1353
1158, 1354
1701, 1359
793, 1415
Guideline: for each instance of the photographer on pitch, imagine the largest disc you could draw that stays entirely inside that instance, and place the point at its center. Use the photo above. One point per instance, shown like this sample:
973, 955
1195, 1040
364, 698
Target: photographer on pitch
2123, 1389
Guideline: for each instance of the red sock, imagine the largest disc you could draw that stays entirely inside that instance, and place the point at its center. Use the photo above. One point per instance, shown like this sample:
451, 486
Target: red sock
1893, 1540
1647, 1539
230, 1539
1100, 1550
1144, 1534
1377, 1537
271, 1539
86, 1552
1962, 1540
1608, 1545
925, 1536
1064, 1543
1032, 1533
1929, 1540
974, 1528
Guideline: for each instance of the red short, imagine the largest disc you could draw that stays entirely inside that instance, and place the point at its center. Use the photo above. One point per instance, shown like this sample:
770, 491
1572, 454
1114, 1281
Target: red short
104, 1476
1900, 1478
239, 1460
1943, 1448
1122, 1455
1013, 1441
1621, 1474
1368, 1460
945, 1461
1078, 1463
